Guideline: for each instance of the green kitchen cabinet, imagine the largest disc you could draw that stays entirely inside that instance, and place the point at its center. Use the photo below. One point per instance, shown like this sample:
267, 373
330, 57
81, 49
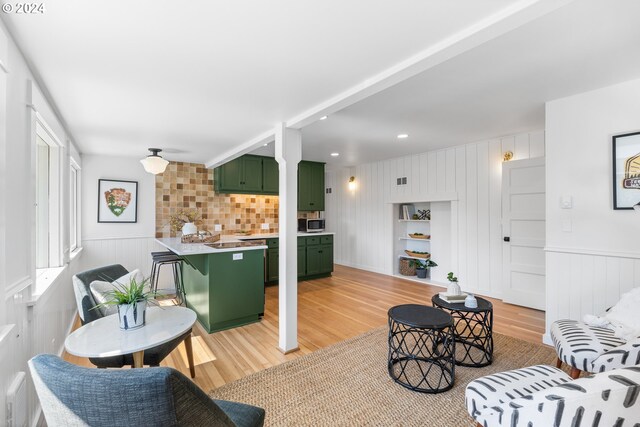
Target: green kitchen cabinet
313, 260
225, 289
270, 176
302, 261
310, 186
326, 258
273, 264
242, 175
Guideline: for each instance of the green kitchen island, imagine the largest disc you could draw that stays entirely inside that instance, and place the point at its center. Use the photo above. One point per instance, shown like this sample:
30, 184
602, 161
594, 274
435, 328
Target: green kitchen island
224, 286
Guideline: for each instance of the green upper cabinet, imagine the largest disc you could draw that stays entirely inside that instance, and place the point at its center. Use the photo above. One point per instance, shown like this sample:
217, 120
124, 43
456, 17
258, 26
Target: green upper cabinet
270, 175
310, 186
242, 175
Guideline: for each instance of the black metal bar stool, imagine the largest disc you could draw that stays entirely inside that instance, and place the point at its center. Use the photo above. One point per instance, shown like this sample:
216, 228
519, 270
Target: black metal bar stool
168, 258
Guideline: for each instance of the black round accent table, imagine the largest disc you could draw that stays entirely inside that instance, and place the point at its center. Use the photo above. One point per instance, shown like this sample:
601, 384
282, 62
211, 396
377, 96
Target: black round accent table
473, 331
421, 348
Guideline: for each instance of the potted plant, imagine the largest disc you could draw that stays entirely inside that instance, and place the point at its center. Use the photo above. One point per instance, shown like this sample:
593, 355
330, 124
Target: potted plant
131, 299
453, 288
423, 266
185, 220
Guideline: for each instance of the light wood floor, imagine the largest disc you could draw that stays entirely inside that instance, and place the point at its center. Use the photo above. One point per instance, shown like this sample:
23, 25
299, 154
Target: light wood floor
330, 310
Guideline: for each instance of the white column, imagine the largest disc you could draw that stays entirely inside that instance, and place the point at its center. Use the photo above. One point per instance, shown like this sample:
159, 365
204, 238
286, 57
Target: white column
288, 154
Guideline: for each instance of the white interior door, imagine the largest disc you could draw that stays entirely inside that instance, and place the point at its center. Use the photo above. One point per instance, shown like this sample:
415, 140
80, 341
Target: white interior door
523, 228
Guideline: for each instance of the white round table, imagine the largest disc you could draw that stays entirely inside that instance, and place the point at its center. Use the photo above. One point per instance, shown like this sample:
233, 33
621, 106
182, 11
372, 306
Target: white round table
104, 338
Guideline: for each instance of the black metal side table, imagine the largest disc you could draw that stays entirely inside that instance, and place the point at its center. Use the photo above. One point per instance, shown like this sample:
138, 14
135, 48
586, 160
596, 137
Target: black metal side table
473, 331
421, 348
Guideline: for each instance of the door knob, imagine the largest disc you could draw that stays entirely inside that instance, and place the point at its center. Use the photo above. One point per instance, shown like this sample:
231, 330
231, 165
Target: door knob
507, 239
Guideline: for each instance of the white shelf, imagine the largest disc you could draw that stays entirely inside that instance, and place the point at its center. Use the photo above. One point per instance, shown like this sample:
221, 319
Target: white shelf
412, 257
413, 220
415, 240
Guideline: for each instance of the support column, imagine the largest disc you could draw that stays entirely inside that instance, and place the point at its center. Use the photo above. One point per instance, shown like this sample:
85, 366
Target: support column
288, 154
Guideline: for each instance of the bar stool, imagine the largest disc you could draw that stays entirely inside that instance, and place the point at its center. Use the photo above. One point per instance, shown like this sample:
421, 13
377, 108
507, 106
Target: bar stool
168, 258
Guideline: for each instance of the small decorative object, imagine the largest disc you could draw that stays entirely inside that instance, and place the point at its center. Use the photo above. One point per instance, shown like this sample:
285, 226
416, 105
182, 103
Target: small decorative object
454, 287
200, 237
420, 236
415, 217
423, 267
470, 301
407, 267
508, 155
117, 201
424, 215
418, 254
185, 220
132, 299
626, 170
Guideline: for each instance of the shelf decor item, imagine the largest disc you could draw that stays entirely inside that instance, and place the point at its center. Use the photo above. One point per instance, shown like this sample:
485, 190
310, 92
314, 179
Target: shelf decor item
454, 288
200, 237
407, 267
626, 170
117, 201
470, 301
423, 267
420, 236
417, 254
185, 220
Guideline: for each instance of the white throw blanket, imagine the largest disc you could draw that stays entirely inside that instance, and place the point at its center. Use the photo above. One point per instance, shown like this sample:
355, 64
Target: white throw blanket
622, 318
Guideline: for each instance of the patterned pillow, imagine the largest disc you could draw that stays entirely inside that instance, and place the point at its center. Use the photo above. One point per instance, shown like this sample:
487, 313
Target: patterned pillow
100, 290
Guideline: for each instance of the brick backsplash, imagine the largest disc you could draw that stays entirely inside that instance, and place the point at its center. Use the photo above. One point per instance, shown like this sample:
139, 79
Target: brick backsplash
190, 185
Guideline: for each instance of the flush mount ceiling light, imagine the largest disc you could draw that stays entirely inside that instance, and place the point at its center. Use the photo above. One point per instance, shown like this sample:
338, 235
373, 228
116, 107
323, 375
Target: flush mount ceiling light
403, 136
323, 118
154, 163
335, 154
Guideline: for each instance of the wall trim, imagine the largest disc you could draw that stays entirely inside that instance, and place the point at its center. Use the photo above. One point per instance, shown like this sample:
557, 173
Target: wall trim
117, 238
585, 251
5, 331
18, 286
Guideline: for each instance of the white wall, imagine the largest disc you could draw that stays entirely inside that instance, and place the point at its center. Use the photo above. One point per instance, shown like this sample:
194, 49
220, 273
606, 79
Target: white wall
39, 325
471, 174
589, 266
127, 244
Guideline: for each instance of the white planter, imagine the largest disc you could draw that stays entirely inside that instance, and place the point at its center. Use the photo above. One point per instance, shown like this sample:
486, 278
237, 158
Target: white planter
470, 301
132, 316
454, 289
189, 228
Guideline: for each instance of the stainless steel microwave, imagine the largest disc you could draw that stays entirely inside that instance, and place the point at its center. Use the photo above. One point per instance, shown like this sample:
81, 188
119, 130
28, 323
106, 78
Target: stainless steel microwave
310, 225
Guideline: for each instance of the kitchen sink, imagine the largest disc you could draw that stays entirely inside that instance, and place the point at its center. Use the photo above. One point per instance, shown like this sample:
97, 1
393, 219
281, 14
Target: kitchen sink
243, 244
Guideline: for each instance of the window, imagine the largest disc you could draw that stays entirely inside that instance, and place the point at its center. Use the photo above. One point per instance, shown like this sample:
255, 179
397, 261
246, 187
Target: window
47, 198
74, 208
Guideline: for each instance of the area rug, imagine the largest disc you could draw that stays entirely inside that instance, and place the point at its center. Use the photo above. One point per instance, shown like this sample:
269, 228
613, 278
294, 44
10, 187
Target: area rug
347, 384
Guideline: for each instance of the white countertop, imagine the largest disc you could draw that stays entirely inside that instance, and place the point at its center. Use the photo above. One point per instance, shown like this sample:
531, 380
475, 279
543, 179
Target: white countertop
175, 245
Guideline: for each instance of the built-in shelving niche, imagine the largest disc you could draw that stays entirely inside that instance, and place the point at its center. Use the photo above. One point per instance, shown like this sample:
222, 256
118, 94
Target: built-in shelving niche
439, 245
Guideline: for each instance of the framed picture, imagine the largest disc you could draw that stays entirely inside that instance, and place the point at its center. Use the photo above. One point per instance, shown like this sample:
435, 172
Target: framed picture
626, 170
117, 201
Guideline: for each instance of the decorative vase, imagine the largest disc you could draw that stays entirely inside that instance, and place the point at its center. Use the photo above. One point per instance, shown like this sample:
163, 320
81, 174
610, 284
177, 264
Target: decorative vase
421, 272
454, 289
132, 316
189, 228
470, 301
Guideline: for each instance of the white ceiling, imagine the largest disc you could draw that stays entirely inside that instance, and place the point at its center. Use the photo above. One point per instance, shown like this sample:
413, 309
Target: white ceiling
200, 77
498, 88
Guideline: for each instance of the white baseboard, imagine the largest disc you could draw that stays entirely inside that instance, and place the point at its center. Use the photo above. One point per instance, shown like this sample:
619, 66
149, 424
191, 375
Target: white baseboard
546, 339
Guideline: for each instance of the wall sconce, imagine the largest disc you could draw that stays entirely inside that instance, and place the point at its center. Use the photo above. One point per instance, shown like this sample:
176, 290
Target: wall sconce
352, 183
508, 155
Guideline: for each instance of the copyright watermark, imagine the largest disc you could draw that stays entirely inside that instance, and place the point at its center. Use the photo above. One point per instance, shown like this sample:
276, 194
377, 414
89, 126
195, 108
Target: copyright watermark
24, 8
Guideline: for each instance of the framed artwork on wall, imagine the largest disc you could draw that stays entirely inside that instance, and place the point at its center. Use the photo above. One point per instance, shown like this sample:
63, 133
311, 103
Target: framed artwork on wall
626, 170
117, 201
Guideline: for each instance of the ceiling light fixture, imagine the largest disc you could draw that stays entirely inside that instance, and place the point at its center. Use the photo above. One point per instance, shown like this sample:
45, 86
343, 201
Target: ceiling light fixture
403, 136
323, 118
335, 154
154, 163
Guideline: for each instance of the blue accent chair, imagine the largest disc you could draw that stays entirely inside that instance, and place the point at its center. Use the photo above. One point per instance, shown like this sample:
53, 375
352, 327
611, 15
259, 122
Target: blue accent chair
71, 395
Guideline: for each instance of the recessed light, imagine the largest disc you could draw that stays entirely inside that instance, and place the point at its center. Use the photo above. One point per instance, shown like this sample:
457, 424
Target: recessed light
266, 144
323, 118
335, 154
403, 136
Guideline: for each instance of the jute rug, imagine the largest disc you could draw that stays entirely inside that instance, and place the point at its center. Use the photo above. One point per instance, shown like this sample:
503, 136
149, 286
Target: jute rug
347, 384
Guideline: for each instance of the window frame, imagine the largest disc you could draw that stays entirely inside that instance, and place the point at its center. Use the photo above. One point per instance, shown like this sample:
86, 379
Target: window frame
75, 199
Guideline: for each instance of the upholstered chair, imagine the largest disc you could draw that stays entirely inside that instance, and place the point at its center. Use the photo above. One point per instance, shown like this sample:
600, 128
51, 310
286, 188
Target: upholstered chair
86, 303
74, 396
541, 396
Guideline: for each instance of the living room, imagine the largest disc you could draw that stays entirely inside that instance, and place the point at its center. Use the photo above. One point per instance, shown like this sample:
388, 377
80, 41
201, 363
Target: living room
496, 126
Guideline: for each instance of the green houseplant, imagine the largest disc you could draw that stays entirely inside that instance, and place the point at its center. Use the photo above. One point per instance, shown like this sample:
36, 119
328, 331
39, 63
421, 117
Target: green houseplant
423, 266
131, 299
